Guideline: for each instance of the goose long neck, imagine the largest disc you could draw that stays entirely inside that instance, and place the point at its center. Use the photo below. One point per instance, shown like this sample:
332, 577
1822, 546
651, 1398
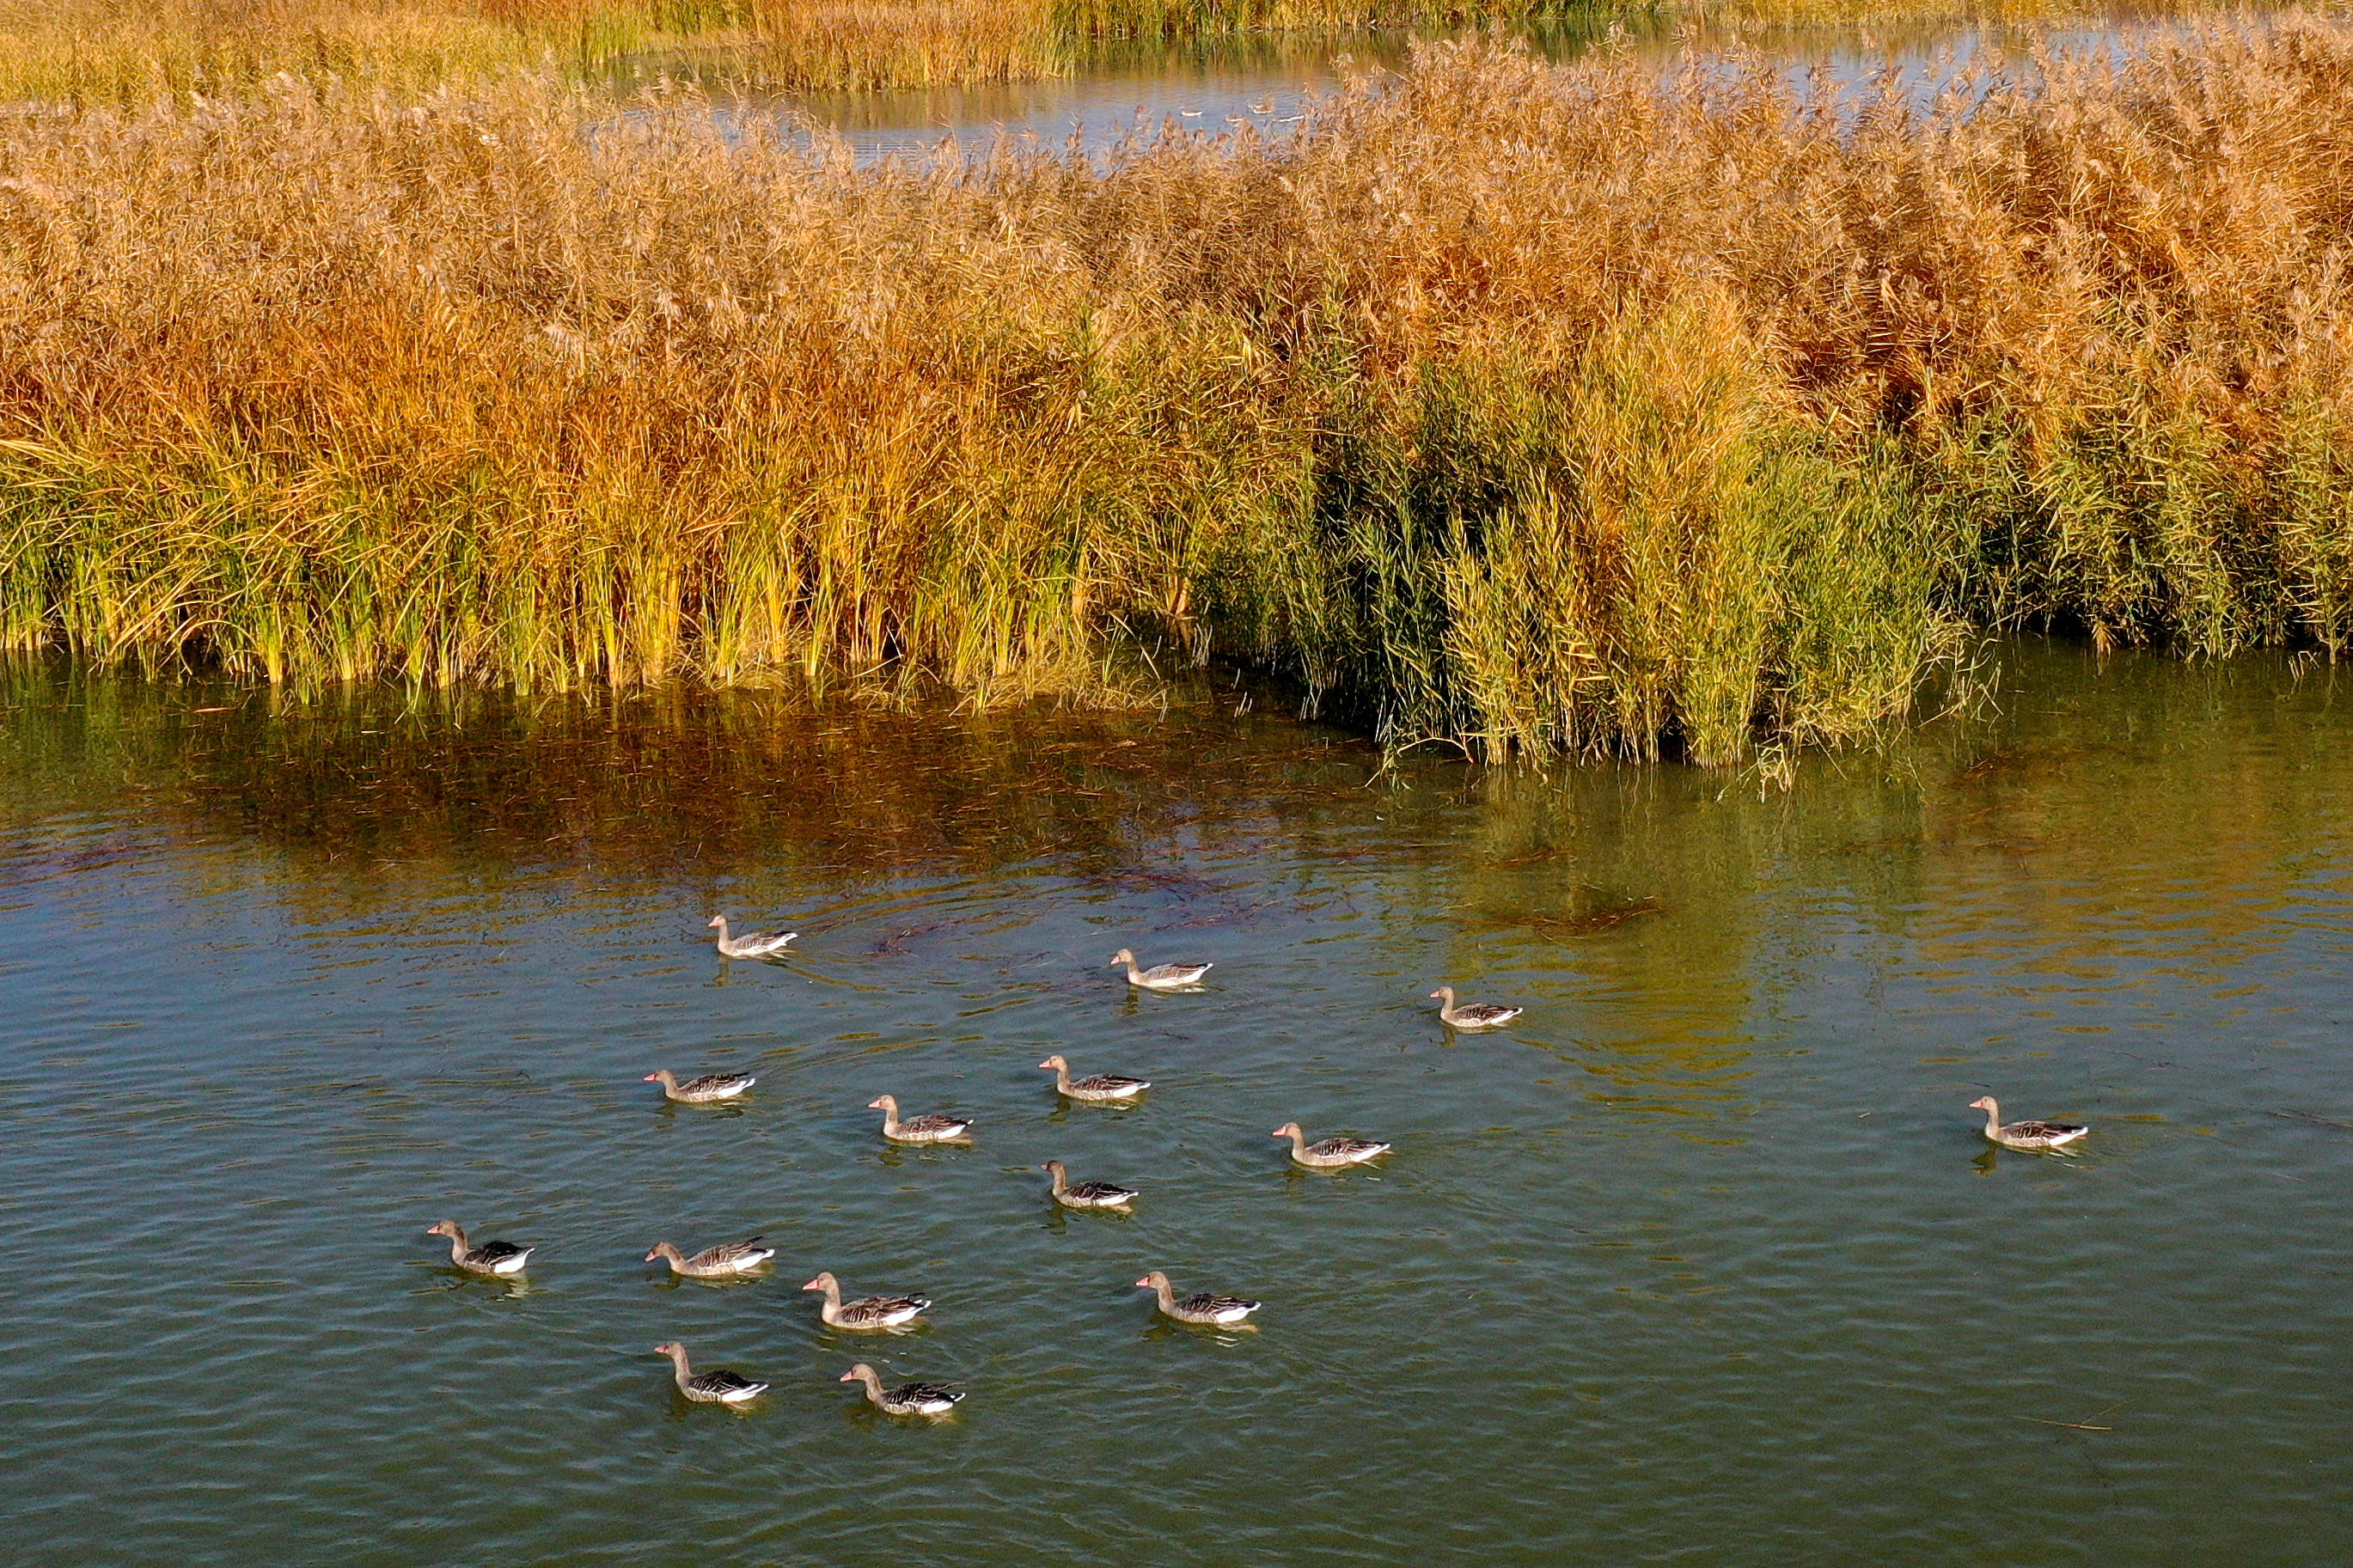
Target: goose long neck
1134, 973
832, 1288
666, 1077
667, 1251
872, 1382
678, 1369
1061, 1185
890, 1121
722, 923
456, 1243
1165, 1291
1298, 1139
1063, 1078
1993, 1115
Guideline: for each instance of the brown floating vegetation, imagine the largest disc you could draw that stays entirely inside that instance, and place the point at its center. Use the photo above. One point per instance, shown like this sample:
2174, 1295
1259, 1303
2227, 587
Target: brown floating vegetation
1574, 409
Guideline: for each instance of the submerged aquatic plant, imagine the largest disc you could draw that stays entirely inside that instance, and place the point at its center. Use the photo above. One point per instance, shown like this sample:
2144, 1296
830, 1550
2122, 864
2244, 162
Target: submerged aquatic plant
1527, 408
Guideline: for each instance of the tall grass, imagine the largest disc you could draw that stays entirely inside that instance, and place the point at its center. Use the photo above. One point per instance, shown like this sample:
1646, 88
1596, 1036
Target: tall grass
1556, 410
124, 52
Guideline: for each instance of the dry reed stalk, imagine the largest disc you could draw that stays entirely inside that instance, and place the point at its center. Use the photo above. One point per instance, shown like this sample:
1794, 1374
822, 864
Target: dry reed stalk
1530, 408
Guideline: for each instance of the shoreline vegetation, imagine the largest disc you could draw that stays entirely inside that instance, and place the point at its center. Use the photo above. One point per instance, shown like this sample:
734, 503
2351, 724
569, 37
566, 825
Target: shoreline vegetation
1543, 410
126, 53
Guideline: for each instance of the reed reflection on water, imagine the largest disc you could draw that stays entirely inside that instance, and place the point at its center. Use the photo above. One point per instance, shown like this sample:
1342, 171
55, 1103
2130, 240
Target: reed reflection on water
1704, 1256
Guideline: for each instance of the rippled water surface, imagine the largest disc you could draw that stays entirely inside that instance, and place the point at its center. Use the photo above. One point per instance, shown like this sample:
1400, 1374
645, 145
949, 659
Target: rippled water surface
1704, 1262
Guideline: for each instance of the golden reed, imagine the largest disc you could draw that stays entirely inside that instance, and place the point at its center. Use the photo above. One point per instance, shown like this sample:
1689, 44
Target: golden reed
1530, 408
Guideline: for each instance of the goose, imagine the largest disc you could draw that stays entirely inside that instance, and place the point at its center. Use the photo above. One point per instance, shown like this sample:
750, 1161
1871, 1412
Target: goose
708, 1387
751, 945
916, 1129
908, 1398
1097, 1087
1471, 1015
1160, 976
868, 1313
709, 1089
1330, 1152
724, 1261
1220, 1312
2026, 1134
491, 1257
1086, 1194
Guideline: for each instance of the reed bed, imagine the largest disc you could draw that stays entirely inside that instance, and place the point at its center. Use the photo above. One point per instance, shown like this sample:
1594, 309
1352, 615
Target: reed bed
126, 52
1528, 409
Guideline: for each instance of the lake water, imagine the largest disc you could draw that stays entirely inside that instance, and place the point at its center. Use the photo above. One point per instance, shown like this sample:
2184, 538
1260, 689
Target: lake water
1267, 81
1705, 1261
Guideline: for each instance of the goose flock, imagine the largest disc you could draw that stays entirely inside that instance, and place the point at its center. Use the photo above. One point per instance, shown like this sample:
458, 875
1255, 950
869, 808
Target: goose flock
882, 1314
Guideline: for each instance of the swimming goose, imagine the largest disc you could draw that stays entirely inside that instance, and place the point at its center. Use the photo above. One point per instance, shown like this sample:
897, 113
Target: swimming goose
1097, 1087
1086, 1194
1471, 1015
491, 1257
1160, 976
751, 945
708, 1387
721, 1262
908, 1398
709, 1089
915, 1129
868, 1313
2026, 1134
1220, 1312
1331, 1151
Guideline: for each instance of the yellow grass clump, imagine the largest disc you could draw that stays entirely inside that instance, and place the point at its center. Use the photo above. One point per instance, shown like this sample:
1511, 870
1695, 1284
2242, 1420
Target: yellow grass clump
1549, 409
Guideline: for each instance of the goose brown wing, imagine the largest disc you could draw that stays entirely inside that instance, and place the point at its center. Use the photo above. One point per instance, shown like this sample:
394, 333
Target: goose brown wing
1207, 1304
727, 1252
720, 1384
879, 1308
936, 1124
1100, 1192
917, 1394
715, 1083
1107, 1083
491, 1253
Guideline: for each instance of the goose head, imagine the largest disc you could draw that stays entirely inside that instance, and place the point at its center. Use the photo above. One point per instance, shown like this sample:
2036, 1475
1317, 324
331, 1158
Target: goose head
1055, 1064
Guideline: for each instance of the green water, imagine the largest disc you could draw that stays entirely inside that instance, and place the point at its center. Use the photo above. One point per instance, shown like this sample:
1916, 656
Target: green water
1703, 1262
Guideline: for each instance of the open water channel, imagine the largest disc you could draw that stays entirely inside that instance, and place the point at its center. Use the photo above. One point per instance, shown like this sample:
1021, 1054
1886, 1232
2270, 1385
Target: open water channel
1704, 1261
